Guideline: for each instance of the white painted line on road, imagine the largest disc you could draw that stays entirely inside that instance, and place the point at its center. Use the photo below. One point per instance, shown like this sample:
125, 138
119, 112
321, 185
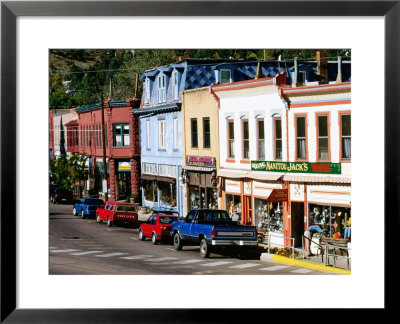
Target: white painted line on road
108, 255
275, 268
87, 252
63, 251
188, 261
161, 259
134, 238
301, 271
52, 247
244, 266
171, 249
215, 264
134, 257
109, 230
90, 221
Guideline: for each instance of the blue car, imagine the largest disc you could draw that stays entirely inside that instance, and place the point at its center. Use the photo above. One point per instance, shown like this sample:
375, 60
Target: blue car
87, 207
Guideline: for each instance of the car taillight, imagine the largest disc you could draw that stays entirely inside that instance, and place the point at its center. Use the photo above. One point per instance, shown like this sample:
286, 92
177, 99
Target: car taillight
164, 228
56, 195
212, 233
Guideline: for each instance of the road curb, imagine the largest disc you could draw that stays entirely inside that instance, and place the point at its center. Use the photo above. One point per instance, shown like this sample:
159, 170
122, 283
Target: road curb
302, 264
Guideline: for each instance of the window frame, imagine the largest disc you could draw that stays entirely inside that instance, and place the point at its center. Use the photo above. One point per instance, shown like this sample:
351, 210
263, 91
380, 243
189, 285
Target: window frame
148, 134
275, 119
245, 120
205, 133
122, 134
220, 75
258, 121
317, 137
147, 96
162, 135
176, 132
161, 88
192, 133
230, 121
340, 115
175, 85
296, 116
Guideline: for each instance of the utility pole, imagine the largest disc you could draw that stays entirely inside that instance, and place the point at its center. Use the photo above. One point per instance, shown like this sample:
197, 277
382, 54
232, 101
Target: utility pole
103, 136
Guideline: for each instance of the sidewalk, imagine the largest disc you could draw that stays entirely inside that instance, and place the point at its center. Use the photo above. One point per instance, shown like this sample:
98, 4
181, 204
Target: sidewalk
311, 262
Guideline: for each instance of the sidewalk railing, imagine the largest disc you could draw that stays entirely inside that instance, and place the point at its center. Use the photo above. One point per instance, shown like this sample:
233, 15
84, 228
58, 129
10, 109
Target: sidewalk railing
310, 241
280, 245
335, 248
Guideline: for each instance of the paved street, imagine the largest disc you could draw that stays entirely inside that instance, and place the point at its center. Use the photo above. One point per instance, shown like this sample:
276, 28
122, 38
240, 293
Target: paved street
82, 246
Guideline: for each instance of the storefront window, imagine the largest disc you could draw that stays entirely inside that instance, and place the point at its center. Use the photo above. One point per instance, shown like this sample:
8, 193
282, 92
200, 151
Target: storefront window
167, 193
194, 197
332, 219
150, 190
268, 215
232, 204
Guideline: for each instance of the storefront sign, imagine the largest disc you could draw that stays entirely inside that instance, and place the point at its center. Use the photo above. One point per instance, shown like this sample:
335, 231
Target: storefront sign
124, 166
296, 167
204, 161
278, 195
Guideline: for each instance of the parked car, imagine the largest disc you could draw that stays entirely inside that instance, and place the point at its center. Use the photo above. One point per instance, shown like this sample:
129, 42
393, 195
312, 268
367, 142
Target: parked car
158, 227
87, 206
52, 187
211, 229
115, 212
61, 196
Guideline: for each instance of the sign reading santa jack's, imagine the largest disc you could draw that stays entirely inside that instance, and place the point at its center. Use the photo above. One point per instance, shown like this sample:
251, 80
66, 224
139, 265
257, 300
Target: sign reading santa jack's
296, 167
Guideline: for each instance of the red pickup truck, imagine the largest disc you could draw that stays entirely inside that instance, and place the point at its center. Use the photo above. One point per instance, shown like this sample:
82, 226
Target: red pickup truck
115, 212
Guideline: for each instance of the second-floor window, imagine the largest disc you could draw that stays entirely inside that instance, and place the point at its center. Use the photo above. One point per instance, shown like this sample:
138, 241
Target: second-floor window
246, 143
148, 139
161, 134
176, 134
261, 139
301, 139
193, 124
231, 139
206, 133
278, 139
147, 98
345, 136
161, 89
175, 84
121, 134
323, 137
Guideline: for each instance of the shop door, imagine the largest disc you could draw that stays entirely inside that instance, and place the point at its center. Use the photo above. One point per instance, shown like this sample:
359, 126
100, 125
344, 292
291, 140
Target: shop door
297, 222
247, 210
124, 185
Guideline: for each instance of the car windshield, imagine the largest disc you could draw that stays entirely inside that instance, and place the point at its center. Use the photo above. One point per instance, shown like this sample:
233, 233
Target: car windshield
94, 201
213, 215
167, 219
126, 209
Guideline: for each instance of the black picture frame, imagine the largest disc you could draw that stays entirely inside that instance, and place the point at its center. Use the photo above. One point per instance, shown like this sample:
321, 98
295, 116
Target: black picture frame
10, 10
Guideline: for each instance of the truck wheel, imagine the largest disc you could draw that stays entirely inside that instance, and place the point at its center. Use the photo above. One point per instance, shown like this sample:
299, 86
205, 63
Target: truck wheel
177, 242
109, 222
141, 236
74, 212
154, 239
83, 215
204, 249
98, 220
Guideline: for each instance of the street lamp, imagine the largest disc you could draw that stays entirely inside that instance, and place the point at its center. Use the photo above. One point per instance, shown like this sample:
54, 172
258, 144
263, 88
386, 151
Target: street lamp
71, 92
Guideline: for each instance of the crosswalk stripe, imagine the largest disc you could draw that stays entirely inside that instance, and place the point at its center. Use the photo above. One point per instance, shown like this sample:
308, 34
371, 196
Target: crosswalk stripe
301, 271
215, 264
244, 266
188, 261
134, 257
275, 268
85, 253
162, 259
63, 251
52, 247
108, 255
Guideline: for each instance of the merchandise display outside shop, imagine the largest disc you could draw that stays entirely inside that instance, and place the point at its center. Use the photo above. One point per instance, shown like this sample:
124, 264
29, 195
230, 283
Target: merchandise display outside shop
268, 216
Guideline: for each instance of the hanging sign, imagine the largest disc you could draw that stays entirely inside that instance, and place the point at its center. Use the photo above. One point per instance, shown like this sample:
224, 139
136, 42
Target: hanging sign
278, 195
296, 167
124, 166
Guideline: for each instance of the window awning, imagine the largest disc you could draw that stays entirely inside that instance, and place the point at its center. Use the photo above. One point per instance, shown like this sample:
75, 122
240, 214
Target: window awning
157, 178
316, 178
270, 176
158, 109
197, 168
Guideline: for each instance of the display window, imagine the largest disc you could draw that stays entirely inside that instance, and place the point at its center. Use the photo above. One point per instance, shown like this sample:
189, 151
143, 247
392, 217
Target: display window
167, 193
233, 204
333, 220
268, 215
150, 190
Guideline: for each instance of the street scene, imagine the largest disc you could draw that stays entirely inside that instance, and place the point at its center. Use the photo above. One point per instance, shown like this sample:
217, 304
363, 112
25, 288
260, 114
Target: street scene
200, 162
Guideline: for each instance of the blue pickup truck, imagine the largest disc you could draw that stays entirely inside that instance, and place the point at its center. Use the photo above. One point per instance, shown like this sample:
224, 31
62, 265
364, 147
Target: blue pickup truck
87, 206
211, 229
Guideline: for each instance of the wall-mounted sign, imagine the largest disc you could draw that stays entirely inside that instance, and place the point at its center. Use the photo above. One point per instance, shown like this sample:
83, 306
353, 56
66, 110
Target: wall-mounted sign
296, 167
124, 166
278, 195
204, 161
